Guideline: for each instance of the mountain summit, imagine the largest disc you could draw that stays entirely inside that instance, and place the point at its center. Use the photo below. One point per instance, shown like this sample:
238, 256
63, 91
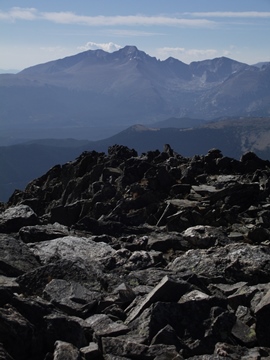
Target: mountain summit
128, 86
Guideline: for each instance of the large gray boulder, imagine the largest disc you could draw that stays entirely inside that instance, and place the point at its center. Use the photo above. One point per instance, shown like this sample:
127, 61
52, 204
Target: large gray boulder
15, 217
71, 248
231, 263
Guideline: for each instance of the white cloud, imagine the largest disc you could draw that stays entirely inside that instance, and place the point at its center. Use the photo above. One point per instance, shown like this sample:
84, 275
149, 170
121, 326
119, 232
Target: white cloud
231, 14
130, 20
17, 13
109, 47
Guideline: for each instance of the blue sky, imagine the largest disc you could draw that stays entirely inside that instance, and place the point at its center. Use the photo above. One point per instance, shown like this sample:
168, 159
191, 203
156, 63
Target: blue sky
33, 32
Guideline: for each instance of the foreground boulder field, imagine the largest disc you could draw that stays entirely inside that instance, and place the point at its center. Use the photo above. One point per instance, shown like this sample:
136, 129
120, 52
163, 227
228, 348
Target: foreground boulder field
120, 256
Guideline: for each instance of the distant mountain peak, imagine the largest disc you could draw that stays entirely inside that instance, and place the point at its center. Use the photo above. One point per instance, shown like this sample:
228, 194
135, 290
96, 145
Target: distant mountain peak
128, 86
138, 128
132, 52
130, 49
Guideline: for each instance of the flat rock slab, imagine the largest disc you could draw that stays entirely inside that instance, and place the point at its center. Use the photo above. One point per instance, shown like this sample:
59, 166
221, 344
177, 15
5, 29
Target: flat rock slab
71, 248
37, 233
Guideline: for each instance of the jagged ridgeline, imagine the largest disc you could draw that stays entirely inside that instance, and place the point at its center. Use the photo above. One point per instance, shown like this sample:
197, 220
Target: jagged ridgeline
126, 256
96, 88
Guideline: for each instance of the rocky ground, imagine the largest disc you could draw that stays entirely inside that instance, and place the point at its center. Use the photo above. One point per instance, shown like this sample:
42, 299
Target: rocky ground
121, 256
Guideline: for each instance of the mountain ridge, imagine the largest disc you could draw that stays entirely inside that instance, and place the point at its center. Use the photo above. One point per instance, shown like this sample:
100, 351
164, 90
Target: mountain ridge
97, 88
100, 89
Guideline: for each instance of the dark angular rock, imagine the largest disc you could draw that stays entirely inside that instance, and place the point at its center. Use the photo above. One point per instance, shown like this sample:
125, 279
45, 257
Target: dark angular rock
166, 290
33, 309
141, 260
168, 336
91, 352
4, 354
203, 236
262, 312
243, 313
103, 326
114, 311
198, 336
114, 357
16, 330
158, 256
34, 282
180, 189
71, 297
121, 346
258, 235
252, 162
125, 294
165, 242
123, 152
15, 257
65, 328
244, 334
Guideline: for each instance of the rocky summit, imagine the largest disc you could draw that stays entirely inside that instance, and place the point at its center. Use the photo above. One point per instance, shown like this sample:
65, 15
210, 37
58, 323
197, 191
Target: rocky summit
125, 256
